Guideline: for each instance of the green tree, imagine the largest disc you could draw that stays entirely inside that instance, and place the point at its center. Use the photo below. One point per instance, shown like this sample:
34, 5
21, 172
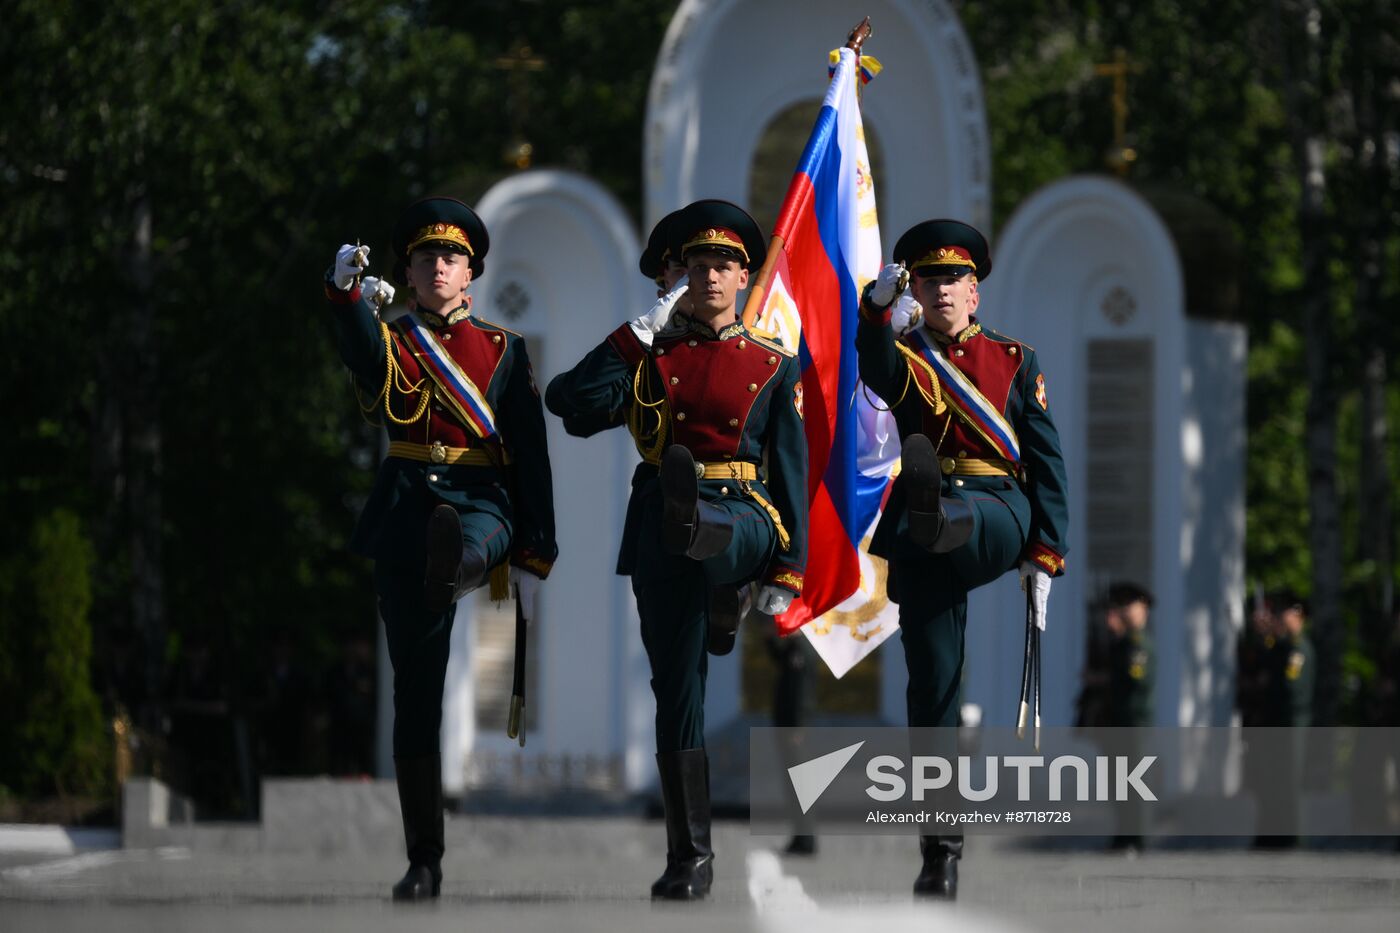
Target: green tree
54, 735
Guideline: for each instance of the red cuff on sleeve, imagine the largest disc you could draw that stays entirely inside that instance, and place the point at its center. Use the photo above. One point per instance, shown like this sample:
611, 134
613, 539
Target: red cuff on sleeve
785, 577
530, 561
625, 341
1045, 557
338, 297
874, 315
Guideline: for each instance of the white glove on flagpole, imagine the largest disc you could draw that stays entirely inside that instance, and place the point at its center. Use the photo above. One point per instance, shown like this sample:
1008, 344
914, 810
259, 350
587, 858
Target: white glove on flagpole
526, 587
1039, 582
651, 323
886, 284
907, 314
774, 600
350, 261
376, 291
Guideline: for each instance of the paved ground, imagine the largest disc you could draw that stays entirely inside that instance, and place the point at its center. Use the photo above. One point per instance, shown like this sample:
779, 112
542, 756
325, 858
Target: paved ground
593, 875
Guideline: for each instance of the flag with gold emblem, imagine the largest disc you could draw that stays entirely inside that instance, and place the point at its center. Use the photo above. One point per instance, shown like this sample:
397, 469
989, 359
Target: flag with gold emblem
825, 248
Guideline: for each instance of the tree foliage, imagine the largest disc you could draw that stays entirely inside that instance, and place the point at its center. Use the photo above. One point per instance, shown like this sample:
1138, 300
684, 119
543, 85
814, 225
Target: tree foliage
53, 735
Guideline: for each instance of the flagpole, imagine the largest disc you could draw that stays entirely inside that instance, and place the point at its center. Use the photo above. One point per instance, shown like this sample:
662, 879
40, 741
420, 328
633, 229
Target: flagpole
758, 291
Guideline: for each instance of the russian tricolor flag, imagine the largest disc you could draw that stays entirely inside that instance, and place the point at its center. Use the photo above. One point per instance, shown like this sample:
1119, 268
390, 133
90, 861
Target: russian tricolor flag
827, 245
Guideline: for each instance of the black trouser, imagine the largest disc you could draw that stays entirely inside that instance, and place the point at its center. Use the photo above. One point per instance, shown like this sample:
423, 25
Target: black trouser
673, 595
419, 640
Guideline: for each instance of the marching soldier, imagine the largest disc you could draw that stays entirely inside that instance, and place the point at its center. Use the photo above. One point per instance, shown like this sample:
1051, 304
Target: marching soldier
982, 488
465, 495
704, 399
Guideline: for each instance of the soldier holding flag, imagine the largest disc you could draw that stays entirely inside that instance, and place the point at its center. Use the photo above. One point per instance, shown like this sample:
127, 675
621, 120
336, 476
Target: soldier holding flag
465, 494
705, 398
982, 489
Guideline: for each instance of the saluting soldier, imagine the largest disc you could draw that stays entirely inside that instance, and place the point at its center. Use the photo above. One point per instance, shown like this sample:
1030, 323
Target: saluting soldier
704, 399
982, 486
465, 494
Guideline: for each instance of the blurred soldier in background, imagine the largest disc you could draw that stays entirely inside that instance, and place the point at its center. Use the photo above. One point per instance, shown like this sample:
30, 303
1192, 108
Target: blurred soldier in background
1293, 667
1130, 656
1128, 608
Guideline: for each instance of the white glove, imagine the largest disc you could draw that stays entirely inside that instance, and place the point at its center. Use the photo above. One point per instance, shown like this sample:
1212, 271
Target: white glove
526, 587
376, 291
350, 261
886, 284
906, 315
651, 323
1039, 582
774, 600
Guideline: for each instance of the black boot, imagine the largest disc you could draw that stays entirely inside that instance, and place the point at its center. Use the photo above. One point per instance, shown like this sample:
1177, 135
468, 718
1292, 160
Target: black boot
728, 604
420, 800
689, 526
935, 524
685, 790
939, 876
453, 569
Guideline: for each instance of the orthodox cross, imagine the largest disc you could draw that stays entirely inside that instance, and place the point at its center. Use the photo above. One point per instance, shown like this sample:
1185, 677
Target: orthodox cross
518, 63
1122, 154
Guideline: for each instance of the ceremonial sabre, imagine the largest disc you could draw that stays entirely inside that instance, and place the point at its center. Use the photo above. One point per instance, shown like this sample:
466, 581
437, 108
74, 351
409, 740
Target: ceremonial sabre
1029, 670
516, 727
1035, 659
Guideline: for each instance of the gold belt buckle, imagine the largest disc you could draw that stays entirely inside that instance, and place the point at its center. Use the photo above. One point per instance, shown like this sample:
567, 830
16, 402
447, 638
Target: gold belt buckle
438, 452
742, 483
949, 464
